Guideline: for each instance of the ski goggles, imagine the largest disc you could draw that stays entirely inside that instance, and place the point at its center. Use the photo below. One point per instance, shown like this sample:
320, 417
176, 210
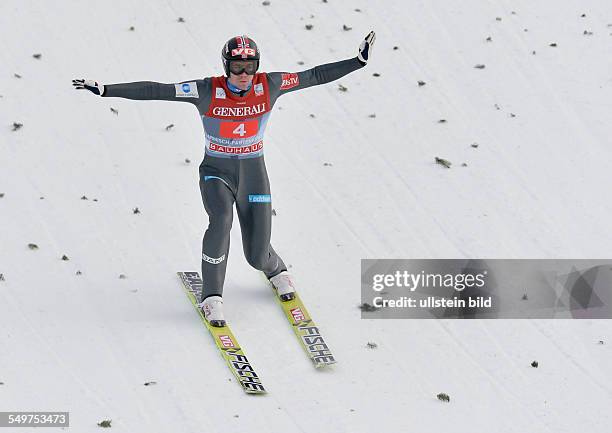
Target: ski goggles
237, 67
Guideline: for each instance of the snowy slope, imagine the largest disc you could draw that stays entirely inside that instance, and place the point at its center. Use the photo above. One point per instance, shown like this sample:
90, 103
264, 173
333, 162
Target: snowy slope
537, 186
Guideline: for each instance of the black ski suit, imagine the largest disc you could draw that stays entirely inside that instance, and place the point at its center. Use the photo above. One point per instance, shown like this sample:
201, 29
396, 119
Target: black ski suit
233, 169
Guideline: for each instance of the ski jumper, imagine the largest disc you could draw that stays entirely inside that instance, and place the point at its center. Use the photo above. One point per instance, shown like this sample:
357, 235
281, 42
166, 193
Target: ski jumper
233, 170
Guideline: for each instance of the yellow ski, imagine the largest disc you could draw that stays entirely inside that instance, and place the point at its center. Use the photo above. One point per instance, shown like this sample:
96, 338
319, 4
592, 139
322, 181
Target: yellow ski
224, 339
305, 330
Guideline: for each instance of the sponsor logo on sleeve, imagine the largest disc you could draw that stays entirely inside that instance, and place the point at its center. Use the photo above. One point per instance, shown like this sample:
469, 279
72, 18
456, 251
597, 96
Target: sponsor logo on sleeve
219, 93
259, 90
289, 81
186, 90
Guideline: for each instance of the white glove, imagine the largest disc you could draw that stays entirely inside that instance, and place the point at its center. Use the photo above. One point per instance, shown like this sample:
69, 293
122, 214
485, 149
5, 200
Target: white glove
90, 85
365, 49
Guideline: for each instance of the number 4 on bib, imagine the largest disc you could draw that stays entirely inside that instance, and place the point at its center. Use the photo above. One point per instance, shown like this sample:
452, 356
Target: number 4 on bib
238, 129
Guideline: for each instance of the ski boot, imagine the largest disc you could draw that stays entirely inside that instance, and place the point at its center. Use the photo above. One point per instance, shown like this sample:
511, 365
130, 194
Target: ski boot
283, 283
212, 307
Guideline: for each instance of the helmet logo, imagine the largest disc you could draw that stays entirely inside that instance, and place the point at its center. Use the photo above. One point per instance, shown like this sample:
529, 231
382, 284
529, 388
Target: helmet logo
244, 52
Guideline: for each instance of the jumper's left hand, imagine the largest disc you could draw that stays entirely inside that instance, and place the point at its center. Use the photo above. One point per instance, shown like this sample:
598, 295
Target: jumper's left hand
365, 49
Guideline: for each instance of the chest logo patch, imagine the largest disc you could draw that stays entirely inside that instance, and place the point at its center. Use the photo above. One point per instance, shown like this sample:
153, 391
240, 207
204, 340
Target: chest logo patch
219, 93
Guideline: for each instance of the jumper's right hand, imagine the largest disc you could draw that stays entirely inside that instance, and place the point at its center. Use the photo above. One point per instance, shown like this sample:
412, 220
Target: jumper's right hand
90, 85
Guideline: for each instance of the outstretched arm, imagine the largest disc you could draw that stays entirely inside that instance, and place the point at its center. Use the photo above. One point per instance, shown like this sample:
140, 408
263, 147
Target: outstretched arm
285, 82
187, 91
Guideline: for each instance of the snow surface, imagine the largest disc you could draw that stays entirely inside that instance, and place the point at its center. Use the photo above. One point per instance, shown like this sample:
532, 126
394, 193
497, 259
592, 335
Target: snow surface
537, 186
